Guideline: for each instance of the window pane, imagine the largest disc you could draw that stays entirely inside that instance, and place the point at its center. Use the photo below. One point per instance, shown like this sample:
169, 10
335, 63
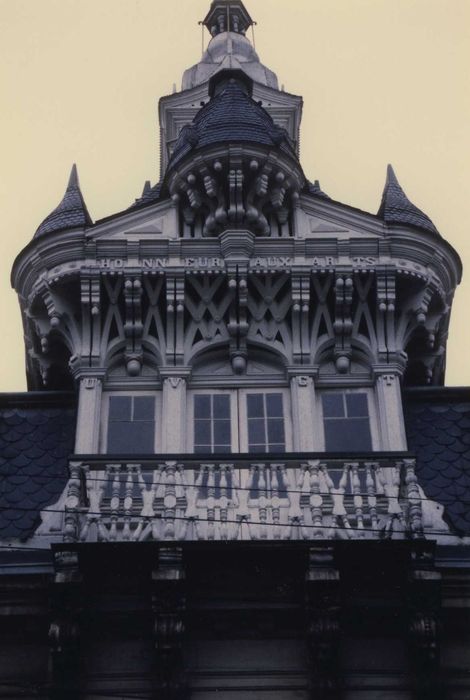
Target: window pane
277, 447
221, 406
275, 430
120, 408
254, 403
348, 435
202, 432
223, 448
126, 437
202, 449
357, 405
256, 434
202, 406
222, 432
333, 406
144, 408
274, 407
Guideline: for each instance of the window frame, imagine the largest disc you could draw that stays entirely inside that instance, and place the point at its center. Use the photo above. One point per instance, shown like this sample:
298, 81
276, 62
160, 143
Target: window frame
105, 412
376, 441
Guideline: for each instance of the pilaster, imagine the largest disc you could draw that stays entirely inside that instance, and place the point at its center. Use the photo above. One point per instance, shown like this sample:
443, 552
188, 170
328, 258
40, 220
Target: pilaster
64, 629
322, 603
303, 413
89, 413
390, 409
174, 409
168, 603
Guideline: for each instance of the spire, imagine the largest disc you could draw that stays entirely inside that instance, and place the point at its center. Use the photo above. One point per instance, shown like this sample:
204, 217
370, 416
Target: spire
227, 16
70, 213
396, 208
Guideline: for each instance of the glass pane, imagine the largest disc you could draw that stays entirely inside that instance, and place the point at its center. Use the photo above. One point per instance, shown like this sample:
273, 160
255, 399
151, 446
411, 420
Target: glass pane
222, 432
120, 408
333, 406
257, 448
357, 405
281, 447
275, 430
274, 406
202, 432
254, 404
221, 406
256, 433
223, 448
202, 406
202, 449
348, 435
127, 437
144, 408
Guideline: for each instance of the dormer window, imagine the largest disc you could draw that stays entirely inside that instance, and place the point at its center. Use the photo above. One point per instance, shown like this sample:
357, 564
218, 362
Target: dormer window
346, 421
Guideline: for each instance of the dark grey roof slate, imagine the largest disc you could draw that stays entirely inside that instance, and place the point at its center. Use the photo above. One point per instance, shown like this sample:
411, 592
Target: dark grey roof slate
315, 189
438, 430
149, 195
35, 442
70, 213
230, 116
396, 208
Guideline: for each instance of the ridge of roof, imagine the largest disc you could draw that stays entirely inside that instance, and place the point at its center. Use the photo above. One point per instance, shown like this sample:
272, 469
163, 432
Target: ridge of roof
71, 212
396, 208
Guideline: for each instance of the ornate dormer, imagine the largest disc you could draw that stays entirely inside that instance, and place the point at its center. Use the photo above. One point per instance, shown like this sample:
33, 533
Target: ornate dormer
235, 309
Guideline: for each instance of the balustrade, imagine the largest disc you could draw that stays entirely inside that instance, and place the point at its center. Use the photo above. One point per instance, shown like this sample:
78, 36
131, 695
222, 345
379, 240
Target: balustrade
242, 499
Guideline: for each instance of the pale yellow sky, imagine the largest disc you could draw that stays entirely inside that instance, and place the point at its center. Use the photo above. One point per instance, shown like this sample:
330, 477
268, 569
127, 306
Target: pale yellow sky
382, 80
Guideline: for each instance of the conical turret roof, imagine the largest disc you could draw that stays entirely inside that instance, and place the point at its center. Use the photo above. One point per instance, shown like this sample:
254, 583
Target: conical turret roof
70, 213
396, 208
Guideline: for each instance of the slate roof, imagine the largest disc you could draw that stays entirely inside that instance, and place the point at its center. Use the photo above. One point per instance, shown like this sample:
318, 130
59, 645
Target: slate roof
149, 195
438, 429
37, 432
230, 116
70, 213
315, 189
396, 208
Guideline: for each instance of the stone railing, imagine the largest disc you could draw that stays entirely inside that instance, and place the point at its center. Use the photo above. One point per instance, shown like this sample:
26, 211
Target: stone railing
242, 499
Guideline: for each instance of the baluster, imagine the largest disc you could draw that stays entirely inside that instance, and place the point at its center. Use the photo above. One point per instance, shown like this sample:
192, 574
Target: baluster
169, 501
72, 504
262, 501
293, 491
252, 526
316, 500
341, 491
223, 502
210, 501
371, 469
275, 501
157, 498
357, 498
415, 513
200, 527
128, 502
115, 499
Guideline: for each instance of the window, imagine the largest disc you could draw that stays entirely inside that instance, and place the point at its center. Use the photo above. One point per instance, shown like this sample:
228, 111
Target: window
240, 420
265, 417
212, 423
346, 422
131, 425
